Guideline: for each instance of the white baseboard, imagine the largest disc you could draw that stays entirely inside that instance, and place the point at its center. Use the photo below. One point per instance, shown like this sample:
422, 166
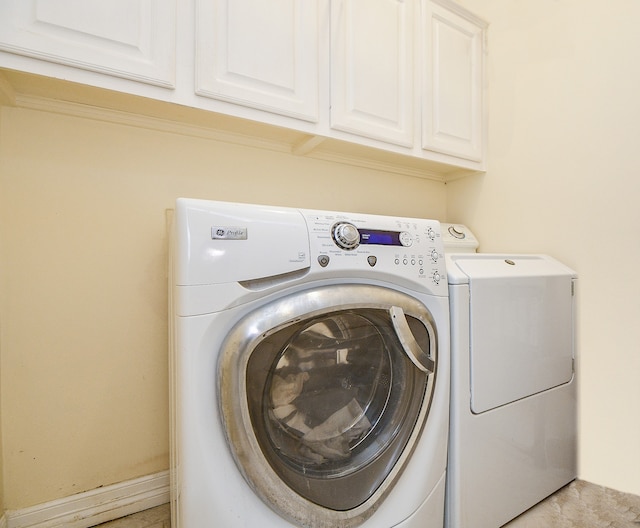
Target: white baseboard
94, 507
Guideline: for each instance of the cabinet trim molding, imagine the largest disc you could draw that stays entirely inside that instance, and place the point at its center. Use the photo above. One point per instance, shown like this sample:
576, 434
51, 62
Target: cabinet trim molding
156, 124
309, 146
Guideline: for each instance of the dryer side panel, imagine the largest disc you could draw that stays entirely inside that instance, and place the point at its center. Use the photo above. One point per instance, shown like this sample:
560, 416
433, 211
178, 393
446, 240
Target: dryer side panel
521, 337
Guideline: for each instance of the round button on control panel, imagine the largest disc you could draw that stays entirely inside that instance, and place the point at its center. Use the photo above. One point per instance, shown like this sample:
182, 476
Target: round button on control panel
405, 239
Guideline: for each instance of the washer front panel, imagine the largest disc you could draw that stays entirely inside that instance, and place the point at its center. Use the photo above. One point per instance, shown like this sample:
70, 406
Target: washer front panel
321, 404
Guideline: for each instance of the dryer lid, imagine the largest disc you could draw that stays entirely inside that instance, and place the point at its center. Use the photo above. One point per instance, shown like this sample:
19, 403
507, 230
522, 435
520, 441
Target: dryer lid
461, 268
521, 326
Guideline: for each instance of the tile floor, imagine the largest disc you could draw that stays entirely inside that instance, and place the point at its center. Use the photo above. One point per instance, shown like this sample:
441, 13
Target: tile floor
582, 505
159, 517
578, 505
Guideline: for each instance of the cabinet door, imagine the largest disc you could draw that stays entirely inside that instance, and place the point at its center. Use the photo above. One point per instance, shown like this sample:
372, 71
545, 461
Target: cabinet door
453, 108
134, 39
261, 54
372, 69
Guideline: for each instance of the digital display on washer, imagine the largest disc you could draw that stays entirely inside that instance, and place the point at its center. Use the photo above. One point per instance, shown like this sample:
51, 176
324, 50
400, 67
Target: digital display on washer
379, 237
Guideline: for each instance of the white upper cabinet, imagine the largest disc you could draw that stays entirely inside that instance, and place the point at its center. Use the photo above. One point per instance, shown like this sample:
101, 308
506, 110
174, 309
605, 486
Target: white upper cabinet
372, 70
133, 39
262, 54
414, 85
453, 108
387, 82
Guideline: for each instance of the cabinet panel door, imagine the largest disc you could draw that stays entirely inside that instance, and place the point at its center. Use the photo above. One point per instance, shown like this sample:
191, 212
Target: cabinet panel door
372, 69
134, 39
452, 118
259, 54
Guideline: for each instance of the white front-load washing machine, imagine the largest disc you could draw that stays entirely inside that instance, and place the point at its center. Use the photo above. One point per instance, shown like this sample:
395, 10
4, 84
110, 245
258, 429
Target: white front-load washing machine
513, 388
309, 368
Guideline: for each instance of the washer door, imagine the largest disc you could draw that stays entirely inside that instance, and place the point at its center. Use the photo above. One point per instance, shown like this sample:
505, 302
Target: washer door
324, 394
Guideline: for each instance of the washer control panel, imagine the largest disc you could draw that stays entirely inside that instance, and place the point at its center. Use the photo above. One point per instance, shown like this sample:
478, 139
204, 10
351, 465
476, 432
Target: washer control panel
409, 248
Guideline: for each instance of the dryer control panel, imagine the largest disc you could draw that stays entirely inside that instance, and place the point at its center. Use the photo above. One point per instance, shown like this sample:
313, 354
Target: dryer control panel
405, 248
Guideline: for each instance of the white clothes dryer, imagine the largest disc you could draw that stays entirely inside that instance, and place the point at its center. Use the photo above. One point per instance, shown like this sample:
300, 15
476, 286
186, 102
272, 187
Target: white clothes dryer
309, 368
513, 389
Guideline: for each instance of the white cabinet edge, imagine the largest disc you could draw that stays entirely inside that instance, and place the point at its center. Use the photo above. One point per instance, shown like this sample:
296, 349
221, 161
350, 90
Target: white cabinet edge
461, 11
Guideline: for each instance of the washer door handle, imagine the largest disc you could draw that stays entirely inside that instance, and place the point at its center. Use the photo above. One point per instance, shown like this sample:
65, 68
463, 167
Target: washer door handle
409, 344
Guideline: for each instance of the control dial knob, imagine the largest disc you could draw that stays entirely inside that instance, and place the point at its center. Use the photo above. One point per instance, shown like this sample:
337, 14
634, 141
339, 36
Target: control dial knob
457, 232
345, 235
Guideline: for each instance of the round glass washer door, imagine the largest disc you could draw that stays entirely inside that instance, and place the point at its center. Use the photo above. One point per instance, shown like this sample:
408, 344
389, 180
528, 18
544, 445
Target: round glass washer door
322, 409
325, 394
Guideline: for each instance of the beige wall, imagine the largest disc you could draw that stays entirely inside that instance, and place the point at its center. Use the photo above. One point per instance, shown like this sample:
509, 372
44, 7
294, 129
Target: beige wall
564, 179
2, 508
83, 284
